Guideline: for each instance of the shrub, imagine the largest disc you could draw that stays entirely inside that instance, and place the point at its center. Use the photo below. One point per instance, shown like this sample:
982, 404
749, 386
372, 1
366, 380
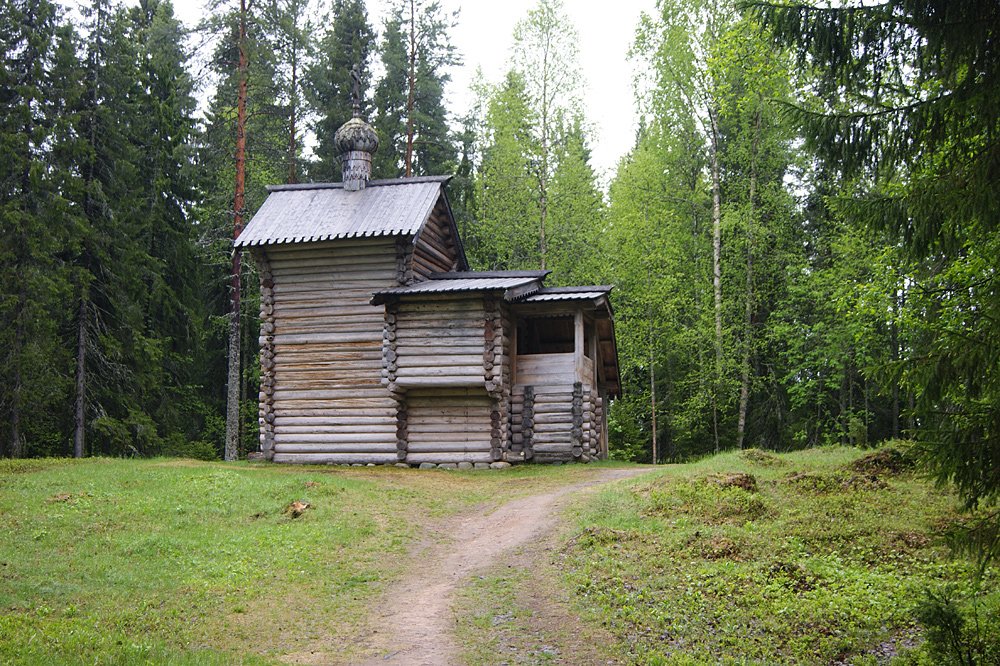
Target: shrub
180, 447
961, 631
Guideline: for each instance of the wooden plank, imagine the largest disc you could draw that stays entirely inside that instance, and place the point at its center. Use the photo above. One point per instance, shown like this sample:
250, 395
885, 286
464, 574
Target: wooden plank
369, 409
291, 377
354, 276
351, 395
337, 289
310, 367
326, 310
472, 457
553, 438
431, 445
353, 297
463, 371
325, 265
471, 361
344, 246
421, 417
377, 458
433, 346
578, 342
432, 324
336, 353
434, 394
544, 364
552, 379
550, 421
329, 441
552, 448
439, 382
371, 418
386, 426
348, 337
321, 261
459, 433
553, 393
468, 334
418, 309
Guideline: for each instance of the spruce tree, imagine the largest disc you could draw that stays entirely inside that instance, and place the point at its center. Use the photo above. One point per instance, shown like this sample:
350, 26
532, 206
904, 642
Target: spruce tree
503, 237
410, 117
908, 115
39, 75
347, 41
246, 66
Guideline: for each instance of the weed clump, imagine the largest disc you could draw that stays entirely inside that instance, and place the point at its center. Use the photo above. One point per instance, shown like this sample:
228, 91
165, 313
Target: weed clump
761, 457
594, 536
792, 576
747, 482
722, 548
889, 461
812, 482
834, 482
716, 499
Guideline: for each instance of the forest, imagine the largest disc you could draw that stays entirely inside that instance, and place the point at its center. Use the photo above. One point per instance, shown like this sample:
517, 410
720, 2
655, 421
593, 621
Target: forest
803, 237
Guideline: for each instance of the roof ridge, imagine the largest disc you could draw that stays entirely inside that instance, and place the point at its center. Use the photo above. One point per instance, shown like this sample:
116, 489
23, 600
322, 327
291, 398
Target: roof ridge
475, 275
583, 288
371, 183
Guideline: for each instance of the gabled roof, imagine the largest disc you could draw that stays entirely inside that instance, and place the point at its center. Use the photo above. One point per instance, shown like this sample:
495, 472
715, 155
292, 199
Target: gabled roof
513, 284
568, 294
326, 211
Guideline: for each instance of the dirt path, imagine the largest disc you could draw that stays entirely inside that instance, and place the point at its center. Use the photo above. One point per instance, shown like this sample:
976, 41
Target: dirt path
413, 625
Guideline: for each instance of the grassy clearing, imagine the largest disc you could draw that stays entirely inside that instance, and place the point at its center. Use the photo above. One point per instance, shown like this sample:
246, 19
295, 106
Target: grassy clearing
181, 562
813, 558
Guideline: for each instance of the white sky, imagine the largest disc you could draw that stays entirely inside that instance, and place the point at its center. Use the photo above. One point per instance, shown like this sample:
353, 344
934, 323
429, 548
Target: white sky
483, 37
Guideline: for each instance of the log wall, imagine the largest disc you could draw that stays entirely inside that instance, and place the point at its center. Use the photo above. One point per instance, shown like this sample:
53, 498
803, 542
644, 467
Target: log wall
324, 342
448, 426
435, 249
265, 403
435, 343
554, 416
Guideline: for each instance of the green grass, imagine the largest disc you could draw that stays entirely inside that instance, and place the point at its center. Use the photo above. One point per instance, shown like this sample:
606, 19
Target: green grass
818, 563
181, 562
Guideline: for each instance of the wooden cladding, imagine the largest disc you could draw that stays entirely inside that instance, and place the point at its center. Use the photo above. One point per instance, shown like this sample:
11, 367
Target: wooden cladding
449, 426
431, 379
435, 250
435, 343
326, 400
557, 423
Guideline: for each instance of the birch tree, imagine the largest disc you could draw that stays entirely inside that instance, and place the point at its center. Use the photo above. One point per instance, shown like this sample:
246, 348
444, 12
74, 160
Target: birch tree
545, 55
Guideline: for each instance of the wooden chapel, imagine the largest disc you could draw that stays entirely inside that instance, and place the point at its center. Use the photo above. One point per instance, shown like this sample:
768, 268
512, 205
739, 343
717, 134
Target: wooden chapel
379, 345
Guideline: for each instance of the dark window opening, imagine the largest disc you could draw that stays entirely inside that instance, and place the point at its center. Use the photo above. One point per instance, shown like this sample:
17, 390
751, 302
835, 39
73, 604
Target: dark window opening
545, 335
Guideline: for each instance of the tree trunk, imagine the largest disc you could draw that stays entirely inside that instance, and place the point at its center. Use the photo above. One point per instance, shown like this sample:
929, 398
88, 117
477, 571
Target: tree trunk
716, 265
233, 378
293, 167
411, 93
15, 398
741, 422
543, 176
652, 384
894, 356
80, 408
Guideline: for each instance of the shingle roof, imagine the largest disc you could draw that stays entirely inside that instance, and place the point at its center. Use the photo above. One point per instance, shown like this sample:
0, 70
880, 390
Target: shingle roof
515, 286
568, 294
326, 211
462, 275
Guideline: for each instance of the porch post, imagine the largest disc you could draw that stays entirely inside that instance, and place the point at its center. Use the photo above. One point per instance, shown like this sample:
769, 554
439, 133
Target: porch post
578, 343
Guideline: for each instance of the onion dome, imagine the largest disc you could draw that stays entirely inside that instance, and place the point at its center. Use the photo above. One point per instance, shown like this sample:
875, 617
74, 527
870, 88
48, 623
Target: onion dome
356, 136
